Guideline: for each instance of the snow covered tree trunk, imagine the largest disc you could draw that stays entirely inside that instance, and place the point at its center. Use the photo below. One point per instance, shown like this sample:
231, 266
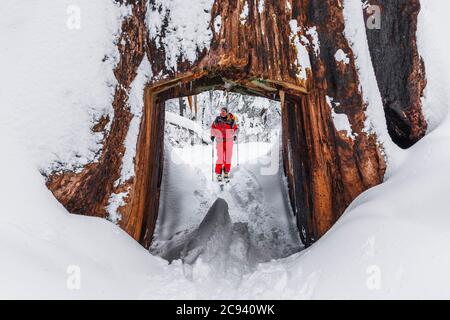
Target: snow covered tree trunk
89, 191
292, 51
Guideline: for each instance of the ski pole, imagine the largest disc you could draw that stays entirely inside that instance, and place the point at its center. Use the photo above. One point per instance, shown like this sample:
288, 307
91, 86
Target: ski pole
237, 146
212, 161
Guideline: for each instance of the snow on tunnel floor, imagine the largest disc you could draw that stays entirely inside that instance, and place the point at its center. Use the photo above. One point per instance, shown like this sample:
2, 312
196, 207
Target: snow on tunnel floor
256, 226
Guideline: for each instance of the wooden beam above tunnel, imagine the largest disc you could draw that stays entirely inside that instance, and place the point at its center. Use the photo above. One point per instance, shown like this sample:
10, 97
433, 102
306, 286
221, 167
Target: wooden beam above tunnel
194, 82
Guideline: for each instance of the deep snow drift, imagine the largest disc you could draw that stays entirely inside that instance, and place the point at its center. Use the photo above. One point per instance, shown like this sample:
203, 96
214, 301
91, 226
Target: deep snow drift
258, 209
390, 243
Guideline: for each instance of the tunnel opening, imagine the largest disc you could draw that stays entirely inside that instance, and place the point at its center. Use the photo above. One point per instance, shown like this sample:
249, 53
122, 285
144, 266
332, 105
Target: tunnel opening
150, 153
326, 167
259, 223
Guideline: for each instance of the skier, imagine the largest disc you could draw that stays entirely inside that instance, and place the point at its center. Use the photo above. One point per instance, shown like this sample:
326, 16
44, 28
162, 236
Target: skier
223, 130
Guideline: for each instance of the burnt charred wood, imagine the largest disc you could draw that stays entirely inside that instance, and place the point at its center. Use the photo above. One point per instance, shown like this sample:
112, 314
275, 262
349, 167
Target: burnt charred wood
399, 69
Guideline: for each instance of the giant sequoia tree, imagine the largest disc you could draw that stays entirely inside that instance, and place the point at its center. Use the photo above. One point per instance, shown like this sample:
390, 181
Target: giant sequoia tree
294, 51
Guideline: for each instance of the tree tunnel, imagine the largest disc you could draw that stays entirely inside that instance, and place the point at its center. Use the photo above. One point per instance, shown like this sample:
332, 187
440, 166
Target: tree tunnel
284, 50
323, 174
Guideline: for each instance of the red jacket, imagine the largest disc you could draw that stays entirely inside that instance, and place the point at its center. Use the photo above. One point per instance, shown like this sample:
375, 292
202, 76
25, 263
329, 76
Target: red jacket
224, 129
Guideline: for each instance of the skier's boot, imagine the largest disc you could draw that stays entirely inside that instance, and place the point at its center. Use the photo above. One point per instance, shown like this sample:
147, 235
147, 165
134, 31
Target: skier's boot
219, 177
226, 176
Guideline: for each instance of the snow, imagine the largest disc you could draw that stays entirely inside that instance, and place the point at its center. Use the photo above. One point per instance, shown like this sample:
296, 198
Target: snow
288, 6
340, 120
115, 201
47, 80
244, 14
260, 6
136, 105
224, 233
257, 117
302, 60
39, 241
341, 56
218, 23
187, 30
216, 224
434, 50
195, 127
312, 32
390, 243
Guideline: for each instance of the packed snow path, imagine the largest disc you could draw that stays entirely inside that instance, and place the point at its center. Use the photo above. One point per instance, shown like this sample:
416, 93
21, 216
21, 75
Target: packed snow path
247, 222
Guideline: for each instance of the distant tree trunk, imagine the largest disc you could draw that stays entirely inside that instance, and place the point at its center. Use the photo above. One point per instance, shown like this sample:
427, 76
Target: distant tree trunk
182, 106
203, 115
195, 107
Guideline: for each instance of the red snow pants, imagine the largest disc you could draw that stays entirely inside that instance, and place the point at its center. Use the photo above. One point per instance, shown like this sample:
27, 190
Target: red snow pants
224, 154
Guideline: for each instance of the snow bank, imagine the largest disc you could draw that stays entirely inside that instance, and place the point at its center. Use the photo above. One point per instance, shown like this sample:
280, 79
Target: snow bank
219, 248
255, 199
42, 246
434, 50
390, 243
53, 80
215, 227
